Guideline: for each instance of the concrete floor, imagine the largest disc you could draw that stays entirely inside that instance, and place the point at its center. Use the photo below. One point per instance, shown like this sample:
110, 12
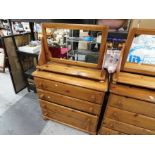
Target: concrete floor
8, 98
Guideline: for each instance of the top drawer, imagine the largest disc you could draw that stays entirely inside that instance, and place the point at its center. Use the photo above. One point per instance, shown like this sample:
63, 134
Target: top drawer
70, 90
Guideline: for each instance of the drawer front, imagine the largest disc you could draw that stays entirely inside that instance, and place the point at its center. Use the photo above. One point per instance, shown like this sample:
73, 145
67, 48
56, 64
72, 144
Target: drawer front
133, 92
69, 116
107, 131
132, 105
125, 128
70, 102
70, 90
130, 118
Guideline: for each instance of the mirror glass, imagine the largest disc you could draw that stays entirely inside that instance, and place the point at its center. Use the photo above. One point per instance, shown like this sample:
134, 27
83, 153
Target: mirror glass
76, 45
142, 50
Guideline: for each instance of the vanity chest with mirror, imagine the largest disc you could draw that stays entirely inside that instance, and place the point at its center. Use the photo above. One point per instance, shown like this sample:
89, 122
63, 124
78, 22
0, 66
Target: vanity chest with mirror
131, 103
70, 81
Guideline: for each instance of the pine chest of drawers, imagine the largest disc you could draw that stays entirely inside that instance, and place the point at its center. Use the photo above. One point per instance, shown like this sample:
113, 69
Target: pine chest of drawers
71, 91
130, 110
70, 100
131, 104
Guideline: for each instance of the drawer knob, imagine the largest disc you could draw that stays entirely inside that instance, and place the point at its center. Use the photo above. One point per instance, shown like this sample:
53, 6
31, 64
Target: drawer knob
89, 120
41, 95
40, 84
56, 85
45, 113
93, 96
119, 103
114, 114
48, 97
111, 125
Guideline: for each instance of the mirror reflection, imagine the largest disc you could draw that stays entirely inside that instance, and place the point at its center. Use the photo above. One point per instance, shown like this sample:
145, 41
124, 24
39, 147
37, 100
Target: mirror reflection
142, 50
76, 45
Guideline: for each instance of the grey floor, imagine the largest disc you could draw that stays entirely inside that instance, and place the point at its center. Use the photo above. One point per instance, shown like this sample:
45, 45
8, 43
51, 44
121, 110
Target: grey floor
15, 120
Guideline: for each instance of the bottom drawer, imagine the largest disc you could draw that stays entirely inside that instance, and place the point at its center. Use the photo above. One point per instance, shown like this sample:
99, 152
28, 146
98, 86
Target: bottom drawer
74, 118
108, 131
125, 128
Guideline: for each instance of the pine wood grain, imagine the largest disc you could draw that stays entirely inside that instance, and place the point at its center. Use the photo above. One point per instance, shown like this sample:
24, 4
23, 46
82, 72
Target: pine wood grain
135, 80
74, 103
73, 63
108, 131
102, 29
69, 90
132, 105
137, 93
140, 68
85, 83
73, 70
125, 128
69, 116
131, 118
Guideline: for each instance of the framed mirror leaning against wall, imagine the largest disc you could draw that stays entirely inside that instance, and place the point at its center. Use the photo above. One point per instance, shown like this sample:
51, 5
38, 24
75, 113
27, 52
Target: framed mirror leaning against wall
73, 45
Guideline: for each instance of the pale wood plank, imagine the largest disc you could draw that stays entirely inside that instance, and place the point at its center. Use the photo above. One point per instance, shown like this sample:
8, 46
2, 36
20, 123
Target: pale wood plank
73, 70
86, 83
108, 131
70, 90
140, 68
69, 102
135, 80
130, 118
74, 63
74, 26
72, 126
132, 105
42, 57
69, 116
125, 128
137, 93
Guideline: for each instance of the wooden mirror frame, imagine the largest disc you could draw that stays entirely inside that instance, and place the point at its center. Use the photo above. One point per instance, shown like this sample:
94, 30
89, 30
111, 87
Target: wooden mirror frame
45, 55
144, 69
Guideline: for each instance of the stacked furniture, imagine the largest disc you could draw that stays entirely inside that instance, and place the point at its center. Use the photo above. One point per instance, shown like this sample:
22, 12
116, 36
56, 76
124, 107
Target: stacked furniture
71, 92
131, 104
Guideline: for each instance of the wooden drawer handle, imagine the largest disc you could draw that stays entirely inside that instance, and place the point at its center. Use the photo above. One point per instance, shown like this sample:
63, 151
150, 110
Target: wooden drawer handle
114, 114
111, 125
45, 113
119, 102
56, 85
48, 97
93, 97
41, 95
40, 85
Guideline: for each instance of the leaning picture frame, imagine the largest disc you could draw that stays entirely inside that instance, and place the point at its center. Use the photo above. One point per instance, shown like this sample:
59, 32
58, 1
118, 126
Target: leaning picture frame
2, 60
